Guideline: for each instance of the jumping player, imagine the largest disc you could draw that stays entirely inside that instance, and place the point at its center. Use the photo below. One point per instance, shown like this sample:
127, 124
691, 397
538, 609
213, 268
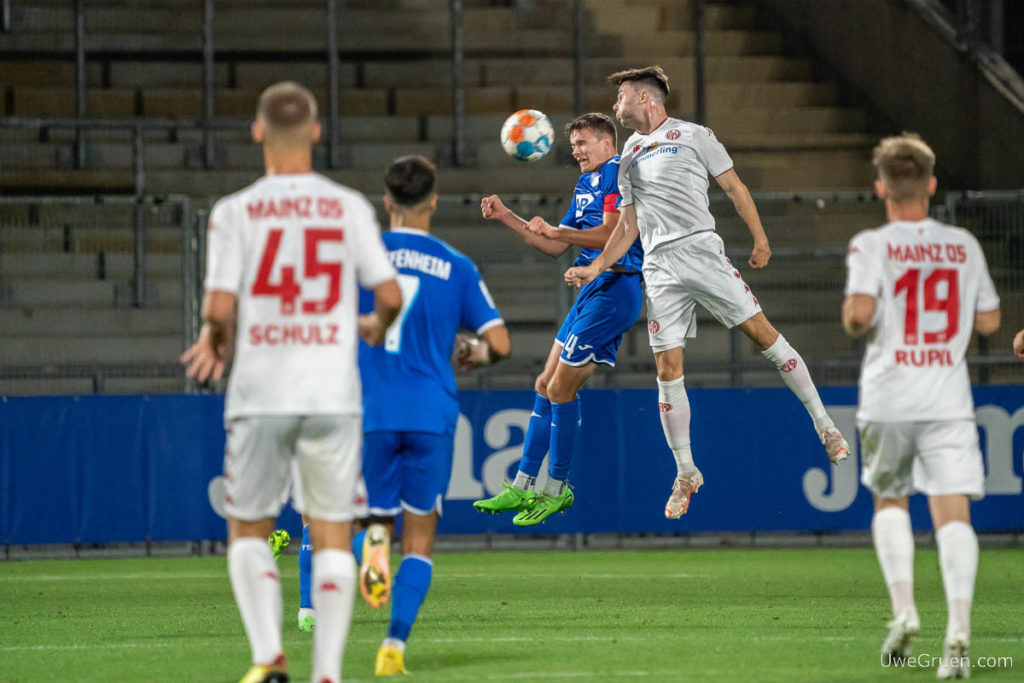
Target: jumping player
663, 178
289, 252
918, 287
591, 332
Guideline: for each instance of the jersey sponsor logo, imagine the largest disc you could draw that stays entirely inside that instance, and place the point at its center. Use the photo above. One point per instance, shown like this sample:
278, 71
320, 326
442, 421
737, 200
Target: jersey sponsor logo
789, 365
583, 200
295, 207
410, 259
924, 358
920, 253
325, 334
673, 134
653, 326
652, 151
664, 407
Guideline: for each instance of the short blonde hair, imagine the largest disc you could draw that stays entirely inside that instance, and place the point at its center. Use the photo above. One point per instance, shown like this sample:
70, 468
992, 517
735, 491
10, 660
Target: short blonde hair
905, 163
285, 110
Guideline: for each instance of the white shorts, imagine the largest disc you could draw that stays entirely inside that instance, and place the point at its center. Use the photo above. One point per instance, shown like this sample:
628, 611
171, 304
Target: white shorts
933, 458
328, 451
691, 271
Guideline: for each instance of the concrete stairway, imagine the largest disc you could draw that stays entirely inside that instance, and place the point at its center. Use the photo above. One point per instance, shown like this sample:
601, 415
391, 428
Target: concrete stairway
786, 128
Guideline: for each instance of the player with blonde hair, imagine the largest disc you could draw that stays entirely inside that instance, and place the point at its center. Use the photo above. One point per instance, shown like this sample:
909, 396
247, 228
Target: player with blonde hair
285, 256
917, 288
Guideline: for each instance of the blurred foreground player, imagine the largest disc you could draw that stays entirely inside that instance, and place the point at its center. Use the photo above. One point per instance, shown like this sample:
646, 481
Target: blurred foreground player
289, 251
663, 178
917, 288
591, 332
410, 403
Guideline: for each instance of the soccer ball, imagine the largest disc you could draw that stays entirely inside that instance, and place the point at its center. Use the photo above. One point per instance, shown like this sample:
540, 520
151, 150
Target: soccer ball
278, 541
527, 135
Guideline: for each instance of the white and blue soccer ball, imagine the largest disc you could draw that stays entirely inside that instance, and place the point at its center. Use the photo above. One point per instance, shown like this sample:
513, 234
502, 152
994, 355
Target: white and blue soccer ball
527, 135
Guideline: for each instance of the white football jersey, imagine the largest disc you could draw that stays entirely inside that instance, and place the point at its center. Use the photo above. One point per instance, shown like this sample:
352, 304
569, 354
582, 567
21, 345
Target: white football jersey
665, 173
293, 248
928, 280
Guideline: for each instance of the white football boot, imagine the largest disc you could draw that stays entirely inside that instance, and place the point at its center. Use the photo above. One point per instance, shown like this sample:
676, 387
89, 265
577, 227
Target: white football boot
683, 487
836, 447
956, 657
902, 631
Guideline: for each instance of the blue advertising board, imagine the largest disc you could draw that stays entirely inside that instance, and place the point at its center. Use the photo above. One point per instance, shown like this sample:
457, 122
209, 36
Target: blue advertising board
134, 468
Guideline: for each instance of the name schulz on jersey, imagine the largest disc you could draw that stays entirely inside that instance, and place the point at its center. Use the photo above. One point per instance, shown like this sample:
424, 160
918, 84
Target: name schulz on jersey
314, 334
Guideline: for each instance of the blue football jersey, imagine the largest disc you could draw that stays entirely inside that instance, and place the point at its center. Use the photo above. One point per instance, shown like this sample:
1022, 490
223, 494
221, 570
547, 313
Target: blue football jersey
597, 192
408, 381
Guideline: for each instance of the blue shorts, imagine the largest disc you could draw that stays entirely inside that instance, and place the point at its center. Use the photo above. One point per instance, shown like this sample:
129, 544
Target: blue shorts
406, 471
605, 309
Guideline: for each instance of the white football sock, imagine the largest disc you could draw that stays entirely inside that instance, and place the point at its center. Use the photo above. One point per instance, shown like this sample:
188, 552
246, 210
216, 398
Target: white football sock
257, 587
524, 481
334, 588
958, 559
894, 544
794, 373
674, 411
554, 487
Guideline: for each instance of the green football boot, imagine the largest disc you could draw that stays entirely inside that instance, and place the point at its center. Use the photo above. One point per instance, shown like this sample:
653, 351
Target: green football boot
278, 541
544, 506
512, 498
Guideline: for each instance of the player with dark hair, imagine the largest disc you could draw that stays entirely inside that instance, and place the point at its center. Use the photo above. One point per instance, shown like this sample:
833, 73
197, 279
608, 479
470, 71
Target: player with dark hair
591, 332
289, 252
919, 287
663, 177
409, 398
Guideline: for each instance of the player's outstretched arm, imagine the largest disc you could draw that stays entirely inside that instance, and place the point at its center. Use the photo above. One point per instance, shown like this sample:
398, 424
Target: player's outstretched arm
387, 302
491, 347
622, 237
207, 358
1018, 344
858, 311
591, 238
493, 209
739, 194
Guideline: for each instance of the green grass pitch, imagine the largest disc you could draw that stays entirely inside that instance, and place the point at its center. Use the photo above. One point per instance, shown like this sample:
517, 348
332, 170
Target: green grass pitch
703, 615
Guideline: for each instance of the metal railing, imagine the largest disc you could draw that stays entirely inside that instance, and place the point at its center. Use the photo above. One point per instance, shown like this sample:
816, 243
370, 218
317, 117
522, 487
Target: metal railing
801, 290
69, 225
578, 17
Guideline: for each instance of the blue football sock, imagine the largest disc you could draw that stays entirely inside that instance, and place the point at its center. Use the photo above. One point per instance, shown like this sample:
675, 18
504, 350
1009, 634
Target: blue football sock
305, 570
357, 546
411, 585
538, 435
565, 428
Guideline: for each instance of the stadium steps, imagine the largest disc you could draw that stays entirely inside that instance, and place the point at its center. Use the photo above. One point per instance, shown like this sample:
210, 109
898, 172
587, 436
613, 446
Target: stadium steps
786, 128
120, 348
75, 237
62, 266
26, 321
45, 291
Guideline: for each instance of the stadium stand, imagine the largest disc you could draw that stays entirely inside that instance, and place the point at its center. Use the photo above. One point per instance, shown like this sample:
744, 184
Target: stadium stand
788, 128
